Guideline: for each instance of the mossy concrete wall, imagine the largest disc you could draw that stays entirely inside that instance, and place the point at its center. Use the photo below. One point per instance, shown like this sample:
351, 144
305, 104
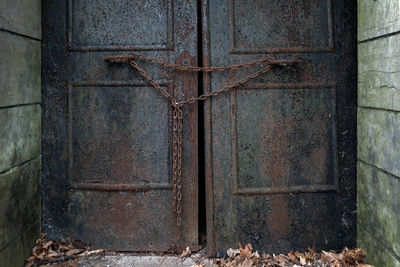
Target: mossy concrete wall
20, 129
378, 192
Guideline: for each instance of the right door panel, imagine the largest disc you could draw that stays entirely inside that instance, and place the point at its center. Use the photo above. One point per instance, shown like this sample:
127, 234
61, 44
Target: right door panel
280, 165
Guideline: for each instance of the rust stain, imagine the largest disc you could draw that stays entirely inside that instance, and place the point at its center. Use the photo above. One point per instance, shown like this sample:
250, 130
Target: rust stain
278, 220
275, 164
272, 154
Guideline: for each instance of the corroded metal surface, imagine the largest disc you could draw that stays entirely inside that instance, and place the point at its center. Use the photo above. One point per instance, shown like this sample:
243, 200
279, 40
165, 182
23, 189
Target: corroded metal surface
106, 137
281, 152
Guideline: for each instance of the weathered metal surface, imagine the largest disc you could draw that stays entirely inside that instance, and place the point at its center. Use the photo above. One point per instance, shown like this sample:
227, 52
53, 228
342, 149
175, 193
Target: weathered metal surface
107, 134
281, 152
293, 26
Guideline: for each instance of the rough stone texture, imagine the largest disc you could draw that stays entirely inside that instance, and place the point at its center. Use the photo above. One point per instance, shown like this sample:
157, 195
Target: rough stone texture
19, 201
20, 129
378, 208
379, 72
379, 131
21, 16
379, 255
19, 135
142, 261
377, 18
19, 70
379, 139
19, 250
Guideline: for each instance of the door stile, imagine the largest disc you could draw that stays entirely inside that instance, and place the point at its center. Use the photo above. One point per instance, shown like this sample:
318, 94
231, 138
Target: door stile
207, 131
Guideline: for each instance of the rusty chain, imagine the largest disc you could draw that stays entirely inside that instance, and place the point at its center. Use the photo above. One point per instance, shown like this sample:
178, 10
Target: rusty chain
132, 56
177, 123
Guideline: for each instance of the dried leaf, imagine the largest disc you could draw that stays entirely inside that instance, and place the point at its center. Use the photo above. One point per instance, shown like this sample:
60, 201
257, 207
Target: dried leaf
282, 259
265, 255
292, 256
246, 263
246, 251
232, 252
185, 253
330, 256
88, 253
303, 261
52, 254
73, 252
354, 256
63, 247
255, 255
47, 245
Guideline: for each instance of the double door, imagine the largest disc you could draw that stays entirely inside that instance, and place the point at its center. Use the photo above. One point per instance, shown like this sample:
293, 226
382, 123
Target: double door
277, 154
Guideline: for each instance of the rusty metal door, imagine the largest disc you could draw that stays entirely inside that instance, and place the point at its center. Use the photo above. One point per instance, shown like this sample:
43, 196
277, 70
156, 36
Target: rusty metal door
280, 151
107, 133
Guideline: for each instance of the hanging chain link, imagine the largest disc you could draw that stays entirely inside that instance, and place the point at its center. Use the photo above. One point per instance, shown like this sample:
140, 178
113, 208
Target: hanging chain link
177, 164
177, 115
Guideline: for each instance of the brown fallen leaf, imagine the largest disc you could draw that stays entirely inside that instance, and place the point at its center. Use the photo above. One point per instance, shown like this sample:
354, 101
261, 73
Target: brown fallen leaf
47, 245
292, 256
52, 254
185, 253
246, 251
92, 252
282, 259
73, 252
246, 263
254, 256
330, 256
345, 258
354, 256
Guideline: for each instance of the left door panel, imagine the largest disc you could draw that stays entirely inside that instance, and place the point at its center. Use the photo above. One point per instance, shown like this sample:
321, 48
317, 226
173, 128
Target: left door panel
107, 133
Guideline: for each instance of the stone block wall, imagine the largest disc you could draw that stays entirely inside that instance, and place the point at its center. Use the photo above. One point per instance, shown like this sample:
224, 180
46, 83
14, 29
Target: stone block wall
20, 129
378, 182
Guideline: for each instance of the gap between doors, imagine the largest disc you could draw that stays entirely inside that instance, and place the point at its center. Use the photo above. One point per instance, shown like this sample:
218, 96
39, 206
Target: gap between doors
201, 155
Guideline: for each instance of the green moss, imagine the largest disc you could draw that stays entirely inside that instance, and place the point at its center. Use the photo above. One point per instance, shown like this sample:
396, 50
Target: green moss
19, 200
19, 70
15, 254
378, 217
20, 135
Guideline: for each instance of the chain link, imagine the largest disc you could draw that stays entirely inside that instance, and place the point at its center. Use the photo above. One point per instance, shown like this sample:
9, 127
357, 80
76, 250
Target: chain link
132, 56
177, 126
177, 116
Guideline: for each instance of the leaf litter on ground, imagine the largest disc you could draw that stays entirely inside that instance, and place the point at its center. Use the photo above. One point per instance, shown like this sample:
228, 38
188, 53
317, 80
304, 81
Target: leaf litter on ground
247, 257
67, 251
45, 252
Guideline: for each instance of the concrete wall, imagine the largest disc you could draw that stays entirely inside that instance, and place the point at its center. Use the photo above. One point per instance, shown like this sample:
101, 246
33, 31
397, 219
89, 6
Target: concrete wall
378, 192
20, 129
